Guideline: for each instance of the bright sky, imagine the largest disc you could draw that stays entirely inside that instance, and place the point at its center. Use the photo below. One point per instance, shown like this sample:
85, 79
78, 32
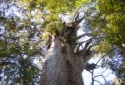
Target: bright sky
107, 73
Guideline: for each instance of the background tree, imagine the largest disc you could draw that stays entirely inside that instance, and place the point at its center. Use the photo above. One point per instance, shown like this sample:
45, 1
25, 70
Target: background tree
17, 46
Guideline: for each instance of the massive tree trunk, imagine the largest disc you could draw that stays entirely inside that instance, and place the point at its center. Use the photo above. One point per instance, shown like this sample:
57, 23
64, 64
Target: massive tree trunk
62, 65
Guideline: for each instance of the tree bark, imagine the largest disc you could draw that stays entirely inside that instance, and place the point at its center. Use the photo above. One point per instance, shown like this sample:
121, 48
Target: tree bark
62, 66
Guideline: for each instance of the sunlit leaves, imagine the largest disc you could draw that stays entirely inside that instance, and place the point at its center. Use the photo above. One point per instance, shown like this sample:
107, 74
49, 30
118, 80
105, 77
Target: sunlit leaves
56, 6
52, 25
111, 6
113, 11
109, 21
116, 29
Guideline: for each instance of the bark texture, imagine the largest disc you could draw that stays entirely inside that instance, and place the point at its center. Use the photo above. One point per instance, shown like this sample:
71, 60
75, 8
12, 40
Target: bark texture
62, 65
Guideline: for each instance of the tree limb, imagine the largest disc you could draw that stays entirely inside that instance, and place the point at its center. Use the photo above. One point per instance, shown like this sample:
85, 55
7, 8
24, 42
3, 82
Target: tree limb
87, 44
84, 41
87, 34
78, 21
80, 44
105, 55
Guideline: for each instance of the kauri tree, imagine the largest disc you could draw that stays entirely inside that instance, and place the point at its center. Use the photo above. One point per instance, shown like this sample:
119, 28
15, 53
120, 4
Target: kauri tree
65, 60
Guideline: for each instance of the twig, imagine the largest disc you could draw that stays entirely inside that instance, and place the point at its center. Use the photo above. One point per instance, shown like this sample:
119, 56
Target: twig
101, 76
105, 55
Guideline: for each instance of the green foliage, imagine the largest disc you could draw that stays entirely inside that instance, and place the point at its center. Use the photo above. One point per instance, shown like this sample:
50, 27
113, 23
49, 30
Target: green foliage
116, 29
106, 19
113, 11
56, 6
18, 70
53, 24
111, 6
17, 47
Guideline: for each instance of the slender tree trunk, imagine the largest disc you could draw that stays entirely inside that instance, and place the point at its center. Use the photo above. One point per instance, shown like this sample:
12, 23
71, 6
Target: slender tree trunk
62, 66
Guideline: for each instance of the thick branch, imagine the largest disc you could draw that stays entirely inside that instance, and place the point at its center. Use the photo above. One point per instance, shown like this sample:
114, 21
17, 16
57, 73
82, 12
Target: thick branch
78, 21
80, 43
87, 43
90, 43
83, 35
